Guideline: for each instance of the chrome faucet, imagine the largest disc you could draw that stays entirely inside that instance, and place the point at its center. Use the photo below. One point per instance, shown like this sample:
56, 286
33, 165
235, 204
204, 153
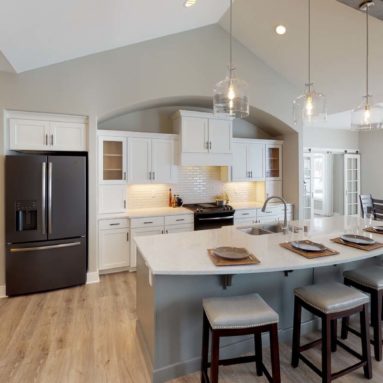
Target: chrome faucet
285, 205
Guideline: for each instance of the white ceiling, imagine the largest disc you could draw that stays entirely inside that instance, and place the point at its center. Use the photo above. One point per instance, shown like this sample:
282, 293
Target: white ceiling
37, 33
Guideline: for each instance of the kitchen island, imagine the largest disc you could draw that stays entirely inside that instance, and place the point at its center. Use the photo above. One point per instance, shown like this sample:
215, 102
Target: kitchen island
174, 274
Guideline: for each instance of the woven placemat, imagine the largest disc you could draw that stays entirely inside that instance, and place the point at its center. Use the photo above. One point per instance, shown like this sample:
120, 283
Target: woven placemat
374, 246
372, 230
218, 261
308, 254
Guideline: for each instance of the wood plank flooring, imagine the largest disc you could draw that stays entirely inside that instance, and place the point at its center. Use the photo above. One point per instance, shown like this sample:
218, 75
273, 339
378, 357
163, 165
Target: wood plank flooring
87, 335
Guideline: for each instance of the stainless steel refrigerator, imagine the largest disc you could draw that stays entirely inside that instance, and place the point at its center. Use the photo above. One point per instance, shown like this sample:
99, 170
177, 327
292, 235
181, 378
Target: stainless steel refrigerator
46, 222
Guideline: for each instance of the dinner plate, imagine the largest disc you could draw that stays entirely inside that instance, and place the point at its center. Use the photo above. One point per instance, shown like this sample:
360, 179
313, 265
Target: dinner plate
358, 239
231, 252
378, 228
308, 246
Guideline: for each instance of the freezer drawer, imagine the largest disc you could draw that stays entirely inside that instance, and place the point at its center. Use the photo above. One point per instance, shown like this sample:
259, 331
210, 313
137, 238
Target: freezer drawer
42, 266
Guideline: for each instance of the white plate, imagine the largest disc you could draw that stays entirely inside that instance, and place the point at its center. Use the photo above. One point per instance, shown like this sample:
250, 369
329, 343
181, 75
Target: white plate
231, 252
378, 228
308, 246
358, 239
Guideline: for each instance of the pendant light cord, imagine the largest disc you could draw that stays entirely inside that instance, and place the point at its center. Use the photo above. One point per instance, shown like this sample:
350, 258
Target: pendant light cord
309, 44
367, 52
231, 37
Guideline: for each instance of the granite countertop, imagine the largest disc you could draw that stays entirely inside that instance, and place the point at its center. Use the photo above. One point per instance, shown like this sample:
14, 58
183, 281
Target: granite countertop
186, 253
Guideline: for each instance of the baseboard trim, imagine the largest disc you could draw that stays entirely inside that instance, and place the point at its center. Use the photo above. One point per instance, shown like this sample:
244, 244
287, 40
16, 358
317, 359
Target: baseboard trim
92, 277
2, 291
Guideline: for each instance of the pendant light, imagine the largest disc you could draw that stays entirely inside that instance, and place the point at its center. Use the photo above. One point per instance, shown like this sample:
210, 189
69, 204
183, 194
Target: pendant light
230, 94
310, 106
367, 116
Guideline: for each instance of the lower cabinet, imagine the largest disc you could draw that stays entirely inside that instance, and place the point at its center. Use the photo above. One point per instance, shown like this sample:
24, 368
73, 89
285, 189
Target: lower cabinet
114, 244
249, 217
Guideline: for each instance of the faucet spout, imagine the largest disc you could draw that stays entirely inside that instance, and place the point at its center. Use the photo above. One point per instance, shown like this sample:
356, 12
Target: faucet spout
285, 207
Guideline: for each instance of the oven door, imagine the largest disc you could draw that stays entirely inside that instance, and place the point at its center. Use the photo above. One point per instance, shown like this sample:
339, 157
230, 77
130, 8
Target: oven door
206, 222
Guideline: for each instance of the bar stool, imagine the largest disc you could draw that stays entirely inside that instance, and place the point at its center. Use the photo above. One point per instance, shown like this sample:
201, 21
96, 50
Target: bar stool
330, 302
370, 280
235, 316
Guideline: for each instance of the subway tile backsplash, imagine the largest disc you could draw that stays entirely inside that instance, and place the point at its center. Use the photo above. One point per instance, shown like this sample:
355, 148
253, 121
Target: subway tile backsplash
194, 184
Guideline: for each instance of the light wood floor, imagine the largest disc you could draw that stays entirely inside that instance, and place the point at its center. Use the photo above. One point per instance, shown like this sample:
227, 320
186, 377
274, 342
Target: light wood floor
87, 335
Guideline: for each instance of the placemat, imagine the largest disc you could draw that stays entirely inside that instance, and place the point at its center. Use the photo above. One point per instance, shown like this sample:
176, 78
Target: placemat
372, 230
374, 246
309, 254
218, 261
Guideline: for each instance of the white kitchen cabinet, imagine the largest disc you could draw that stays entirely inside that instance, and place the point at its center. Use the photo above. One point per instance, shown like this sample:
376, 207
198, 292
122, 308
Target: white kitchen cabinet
205, 140
273, 188
246, 217
112, 199
151, 160
44, 134
179, 228
112, 160
274, 161
114, 244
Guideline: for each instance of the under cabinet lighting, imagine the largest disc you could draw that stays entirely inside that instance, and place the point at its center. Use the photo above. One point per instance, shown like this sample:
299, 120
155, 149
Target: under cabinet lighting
190, 3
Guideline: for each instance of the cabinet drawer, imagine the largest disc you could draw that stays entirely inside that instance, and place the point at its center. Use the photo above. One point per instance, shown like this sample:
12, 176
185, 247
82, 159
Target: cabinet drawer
147, 222
110, 224
239, 214
179, 219
274, 210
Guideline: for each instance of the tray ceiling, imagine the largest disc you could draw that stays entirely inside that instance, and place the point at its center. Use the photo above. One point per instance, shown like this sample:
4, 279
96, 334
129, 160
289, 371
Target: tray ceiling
376, 10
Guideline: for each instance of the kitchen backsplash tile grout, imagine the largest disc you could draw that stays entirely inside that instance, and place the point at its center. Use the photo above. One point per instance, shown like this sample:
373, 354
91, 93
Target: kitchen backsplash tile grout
194, 184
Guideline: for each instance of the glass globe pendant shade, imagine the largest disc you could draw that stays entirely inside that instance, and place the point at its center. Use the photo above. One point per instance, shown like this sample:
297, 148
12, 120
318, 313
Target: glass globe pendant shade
367, 115
310, 107
230, 96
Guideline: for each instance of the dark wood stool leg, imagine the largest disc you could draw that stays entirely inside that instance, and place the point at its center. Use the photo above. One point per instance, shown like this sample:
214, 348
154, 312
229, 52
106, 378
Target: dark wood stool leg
214, 358
258, 352
274, 351
296, 333
365, 336
345, 324
205, 348
376, 309
334, 334
326, 349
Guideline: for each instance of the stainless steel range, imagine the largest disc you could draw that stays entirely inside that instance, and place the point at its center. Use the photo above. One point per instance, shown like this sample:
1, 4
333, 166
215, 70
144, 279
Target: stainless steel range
210, 216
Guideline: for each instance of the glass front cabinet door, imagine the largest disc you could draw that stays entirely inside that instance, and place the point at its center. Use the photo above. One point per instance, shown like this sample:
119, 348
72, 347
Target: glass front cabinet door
112, 155
274, 162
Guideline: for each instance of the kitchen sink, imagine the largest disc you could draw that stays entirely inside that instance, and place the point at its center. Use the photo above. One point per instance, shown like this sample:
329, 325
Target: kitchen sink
262, 229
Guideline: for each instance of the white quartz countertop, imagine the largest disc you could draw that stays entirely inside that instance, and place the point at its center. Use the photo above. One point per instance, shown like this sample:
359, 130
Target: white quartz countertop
149, 212
186, 253
253, 205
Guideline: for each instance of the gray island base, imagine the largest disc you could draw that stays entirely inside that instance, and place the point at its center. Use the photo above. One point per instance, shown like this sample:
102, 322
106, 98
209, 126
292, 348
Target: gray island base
175, 274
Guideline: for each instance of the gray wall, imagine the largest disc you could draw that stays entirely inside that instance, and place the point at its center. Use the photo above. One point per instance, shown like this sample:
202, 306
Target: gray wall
109, 83
330, 138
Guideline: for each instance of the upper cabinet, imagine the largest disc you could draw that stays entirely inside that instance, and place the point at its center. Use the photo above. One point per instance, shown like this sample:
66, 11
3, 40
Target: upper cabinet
274, 161
205, 140
36, 131
112, 165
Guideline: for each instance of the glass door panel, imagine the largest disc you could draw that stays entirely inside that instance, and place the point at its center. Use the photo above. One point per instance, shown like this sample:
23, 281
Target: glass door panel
113, 160
308, 200
273, 161
352, 183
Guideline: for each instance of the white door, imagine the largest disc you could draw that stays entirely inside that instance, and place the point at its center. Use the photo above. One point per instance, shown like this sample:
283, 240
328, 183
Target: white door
273, 188
179, 228
194, 135
256, 161
220, 136
67, 136
139, 160
28, 134
162, 161
112, 160
308, 204
112, 199
114, 248
351, 183
239, 168
141, 233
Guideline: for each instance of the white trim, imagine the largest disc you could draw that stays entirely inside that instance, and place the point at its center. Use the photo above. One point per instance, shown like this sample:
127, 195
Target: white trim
46, 116
92, 277
2, 291
128, 133
308, 150
257, 141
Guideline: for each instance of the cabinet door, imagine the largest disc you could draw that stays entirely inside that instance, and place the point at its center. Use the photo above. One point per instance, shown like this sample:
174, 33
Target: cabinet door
256, 161
194, 135
179, 228
273, 188
139, 160
141, 233
28, 134
67, 136
274, 161
162, 160
112, 160
112, 199
239, 168
220, 136
114, 248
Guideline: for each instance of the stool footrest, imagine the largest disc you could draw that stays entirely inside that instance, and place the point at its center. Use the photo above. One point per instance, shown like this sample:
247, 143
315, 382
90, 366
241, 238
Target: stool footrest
347, 370
349, 350
239, 360
312, 344
357, 333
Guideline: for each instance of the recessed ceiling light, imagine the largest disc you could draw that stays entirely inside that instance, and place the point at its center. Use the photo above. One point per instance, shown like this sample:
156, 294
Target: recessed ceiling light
189, 3
280, 29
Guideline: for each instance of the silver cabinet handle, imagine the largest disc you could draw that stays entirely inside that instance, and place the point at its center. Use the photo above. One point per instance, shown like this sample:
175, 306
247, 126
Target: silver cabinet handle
150, 175
154, 175
181, 219
245, 213
124, 176
40, 248
148, 222
114, 224
46, 139
50, 171
162, 232
216, 218
251, 174
52, 140
166, 232
43, 198
209, 145
127, 237
124, 203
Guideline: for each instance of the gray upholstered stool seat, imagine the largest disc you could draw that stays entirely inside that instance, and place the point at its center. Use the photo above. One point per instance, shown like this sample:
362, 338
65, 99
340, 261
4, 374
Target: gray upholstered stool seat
369, 276
331, 297
239, 312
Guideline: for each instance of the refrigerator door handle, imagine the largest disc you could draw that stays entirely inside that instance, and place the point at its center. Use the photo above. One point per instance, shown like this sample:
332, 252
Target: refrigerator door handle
43, 197
50, 197
40, 248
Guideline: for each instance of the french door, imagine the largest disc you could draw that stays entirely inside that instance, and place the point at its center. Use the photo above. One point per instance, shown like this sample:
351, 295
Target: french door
308, 203
351, 183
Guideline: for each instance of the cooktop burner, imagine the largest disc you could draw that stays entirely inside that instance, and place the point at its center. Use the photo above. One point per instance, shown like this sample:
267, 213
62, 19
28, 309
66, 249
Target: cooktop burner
209, 207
